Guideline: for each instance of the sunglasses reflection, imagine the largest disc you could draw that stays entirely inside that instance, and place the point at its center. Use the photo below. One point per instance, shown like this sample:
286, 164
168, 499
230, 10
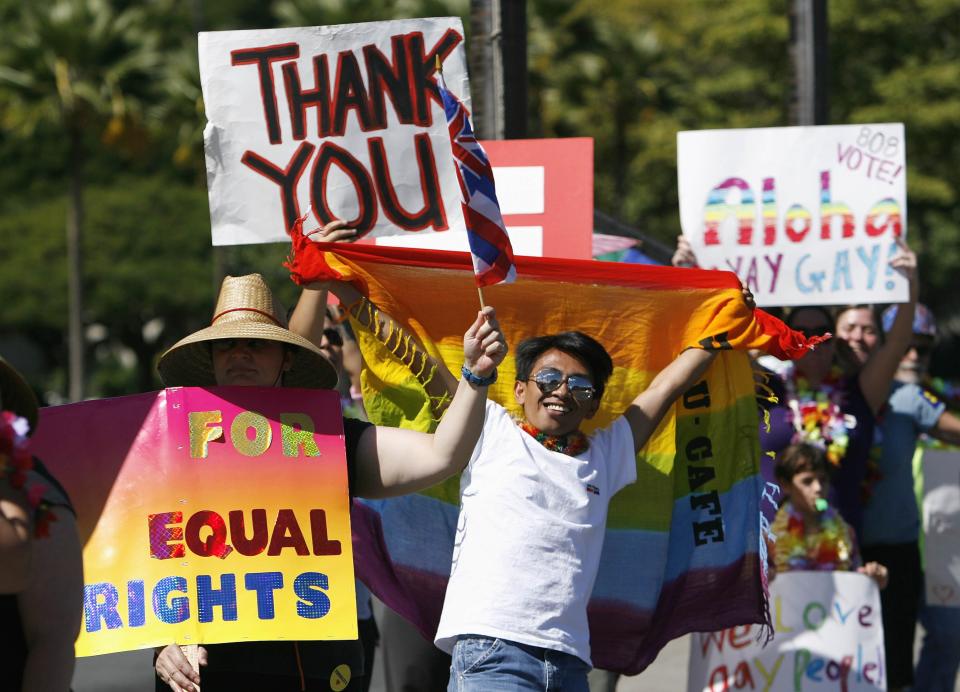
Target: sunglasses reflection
550, 379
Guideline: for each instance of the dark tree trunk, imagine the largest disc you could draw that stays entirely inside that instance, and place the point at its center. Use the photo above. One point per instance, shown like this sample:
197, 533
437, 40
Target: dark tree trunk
75, 341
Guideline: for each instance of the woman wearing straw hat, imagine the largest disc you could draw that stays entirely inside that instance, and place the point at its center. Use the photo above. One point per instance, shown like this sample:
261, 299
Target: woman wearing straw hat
41, 567
248, 344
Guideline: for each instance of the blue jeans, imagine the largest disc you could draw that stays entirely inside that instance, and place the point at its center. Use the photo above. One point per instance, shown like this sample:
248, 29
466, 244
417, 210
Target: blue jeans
484, 664
940, 654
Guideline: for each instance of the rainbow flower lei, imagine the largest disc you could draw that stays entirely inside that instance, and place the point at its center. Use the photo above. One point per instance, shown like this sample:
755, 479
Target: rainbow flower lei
829, 548
818, 418
571, 444
15, 464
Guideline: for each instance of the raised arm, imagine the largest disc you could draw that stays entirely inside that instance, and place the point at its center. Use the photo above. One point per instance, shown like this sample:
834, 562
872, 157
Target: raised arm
393, 461
877, 373
308, 321
647, 410
308, 318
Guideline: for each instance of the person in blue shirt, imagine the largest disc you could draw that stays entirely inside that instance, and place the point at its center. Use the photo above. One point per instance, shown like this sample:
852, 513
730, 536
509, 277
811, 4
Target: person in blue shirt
891, 521
940, 654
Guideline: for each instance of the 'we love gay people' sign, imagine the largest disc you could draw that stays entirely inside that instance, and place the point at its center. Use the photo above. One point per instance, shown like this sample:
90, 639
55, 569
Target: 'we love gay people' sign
828, 636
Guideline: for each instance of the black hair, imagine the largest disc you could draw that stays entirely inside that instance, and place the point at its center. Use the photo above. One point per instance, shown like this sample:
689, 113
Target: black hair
825, 312
798, 458
586, 349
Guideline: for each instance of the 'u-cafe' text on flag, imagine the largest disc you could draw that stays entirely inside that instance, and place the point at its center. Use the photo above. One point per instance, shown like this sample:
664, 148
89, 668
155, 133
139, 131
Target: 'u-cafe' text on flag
331, 122
803, 215
207, 515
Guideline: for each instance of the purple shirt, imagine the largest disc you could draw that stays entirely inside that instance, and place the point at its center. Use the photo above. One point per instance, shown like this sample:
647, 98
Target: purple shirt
846, 491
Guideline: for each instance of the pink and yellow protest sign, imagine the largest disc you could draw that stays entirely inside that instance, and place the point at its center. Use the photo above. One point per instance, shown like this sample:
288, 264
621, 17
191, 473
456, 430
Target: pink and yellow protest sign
207, 515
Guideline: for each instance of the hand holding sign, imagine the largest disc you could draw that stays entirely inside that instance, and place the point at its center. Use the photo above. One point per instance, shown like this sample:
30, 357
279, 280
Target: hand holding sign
877, 572
905, 262
175, 669
684, 255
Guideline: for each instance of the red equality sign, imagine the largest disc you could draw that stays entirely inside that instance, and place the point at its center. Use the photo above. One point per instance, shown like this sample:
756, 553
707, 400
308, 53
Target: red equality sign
545, 190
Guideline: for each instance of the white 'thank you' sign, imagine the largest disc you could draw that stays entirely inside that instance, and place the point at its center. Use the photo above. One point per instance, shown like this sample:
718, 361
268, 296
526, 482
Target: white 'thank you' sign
334, 121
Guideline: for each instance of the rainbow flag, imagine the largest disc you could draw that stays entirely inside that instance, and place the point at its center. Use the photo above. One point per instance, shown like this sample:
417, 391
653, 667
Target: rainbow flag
683, 544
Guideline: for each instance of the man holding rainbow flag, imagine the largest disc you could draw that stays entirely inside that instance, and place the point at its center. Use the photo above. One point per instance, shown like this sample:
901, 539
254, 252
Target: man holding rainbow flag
534, 497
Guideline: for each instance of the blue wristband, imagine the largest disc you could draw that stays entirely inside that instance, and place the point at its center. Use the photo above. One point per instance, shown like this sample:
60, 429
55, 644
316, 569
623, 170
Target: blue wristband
476, 379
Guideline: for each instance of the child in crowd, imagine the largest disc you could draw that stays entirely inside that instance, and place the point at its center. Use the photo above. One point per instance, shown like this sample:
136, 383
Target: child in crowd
809, 533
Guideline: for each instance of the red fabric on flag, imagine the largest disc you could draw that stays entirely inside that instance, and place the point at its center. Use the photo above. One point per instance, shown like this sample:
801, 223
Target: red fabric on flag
307, 263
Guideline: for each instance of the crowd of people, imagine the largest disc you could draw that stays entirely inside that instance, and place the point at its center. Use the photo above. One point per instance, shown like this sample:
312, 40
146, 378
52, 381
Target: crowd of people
843, 427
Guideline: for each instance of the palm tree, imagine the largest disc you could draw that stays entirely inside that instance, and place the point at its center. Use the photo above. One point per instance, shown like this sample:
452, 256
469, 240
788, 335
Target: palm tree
82, 67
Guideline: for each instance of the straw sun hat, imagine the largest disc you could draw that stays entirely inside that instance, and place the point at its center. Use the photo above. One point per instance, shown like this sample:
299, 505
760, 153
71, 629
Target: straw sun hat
16, 394
245, 309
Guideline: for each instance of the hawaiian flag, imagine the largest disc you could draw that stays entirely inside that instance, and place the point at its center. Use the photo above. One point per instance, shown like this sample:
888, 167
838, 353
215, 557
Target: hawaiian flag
489, 242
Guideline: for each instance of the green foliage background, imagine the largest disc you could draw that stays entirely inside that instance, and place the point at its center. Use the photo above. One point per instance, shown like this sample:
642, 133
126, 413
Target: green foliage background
629, 73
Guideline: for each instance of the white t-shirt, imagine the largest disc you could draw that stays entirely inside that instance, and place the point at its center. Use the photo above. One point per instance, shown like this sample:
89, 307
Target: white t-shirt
529, 536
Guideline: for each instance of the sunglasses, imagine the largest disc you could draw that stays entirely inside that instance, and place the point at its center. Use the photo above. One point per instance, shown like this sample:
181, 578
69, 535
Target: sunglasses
333, 336
923, 350
579, 386
224, 345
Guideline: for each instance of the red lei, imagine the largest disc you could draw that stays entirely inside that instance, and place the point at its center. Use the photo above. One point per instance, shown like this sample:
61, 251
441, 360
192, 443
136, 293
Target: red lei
15, 464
